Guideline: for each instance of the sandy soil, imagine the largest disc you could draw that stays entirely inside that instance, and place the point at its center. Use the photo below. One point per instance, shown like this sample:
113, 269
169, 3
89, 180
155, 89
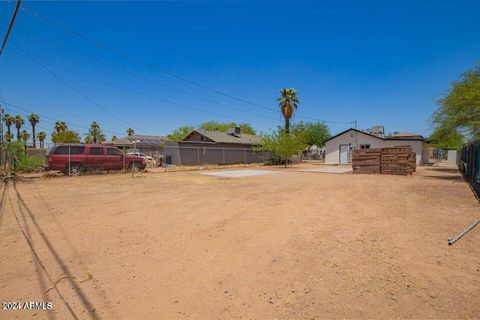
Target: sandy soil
294, 245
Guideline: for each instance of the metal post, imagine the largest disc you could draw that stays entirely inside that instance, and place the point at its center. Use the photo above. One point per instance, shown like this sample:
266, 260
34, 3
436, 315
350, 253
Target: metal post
223, 154
69, 161
198, 157
461, 234
245, 156
134, 151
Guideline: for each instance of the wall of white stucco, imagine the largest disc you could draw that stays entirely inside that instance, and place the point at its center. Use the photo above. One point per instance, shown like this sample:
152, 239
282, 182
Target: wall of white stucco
352, 138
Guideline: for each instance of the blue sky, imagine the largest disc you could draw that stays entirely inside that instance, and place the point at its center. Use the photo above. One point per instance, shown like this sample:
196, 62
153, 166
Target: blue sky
377, 62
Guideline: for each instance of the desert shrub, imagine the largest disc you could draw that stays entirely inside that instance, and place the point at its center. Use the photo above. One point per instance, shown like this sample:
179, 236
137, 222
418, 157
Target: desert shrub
28, 163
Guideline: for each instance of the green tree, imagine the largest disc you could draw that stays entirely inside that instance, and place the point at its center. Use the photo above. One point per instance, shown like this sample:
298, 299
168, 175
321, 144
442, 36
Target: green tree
114, 138
245, 128
41, 138
25, 136
180, 133
66, 136
34, 119
288, 103
282, 144
130, 132
8, 119
446, 139
312, 133
60, 126
95, 134
459, 111
18, 120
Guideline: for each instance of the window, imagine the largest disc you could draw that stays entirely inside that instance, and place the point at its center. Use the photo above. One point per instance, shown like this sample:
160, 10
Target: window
65, 150
96, 151
364, 146
114, 152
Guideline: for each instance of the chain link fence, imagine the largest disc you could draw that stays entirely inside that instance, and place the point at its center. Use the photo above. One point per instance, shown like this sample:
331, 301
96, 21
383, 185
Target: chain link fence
470, 165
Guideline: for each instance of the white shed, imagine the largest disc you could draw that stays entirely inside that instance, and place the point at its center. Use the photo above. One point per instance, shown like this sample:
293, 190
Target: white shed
339, 148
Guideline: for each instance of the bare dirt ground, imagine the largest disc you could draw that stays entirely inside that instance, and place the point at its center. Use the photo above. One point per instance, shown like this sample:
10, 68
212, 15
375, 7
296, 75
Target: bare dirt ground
293, 245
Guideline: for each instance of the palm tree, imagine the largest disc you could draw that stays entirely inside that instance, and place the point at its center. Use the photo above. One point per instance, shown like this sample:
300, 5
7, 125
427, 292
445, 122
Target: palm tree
34, 119
9, 137
130, 132
42, 135
114, 138
8, 119
25, 136
60, 126
288, 102
18, 124
95, 134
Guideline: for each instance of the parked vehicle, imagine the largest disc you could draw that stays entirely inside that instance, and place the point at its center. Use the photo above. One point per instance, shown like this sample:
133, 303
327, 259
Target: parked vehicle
73, 159
148, 159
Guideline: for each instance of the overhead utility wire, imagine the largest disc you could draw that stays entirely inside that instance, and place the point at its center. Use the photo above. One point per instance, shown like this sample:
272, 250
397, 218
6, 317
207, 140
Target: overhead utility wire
107, 83
171, 74
73, 88
147, 95
10, 25
138, 75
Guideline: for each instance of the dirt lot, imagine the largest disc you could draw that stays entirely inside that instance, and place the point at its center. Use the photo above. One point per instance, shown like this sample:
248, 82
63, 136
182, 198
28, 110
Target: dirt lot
293, 245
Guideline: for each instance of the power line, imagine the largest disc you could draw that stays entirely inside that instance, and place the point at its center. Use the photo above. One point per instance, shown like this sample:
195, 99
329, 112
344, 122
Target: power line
142, 93
141, 76
10, 26
73, 88
169, 73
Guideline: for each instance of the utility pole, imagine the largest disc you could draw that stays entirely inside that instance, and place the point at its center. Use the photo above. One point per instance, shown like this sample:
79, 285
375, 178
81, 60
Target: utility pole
10, 26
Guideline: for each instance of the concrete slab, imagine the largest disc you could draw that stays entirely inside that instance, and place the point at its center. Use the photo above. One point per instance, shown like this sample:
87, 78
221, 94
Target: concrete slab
333, 169
238, 173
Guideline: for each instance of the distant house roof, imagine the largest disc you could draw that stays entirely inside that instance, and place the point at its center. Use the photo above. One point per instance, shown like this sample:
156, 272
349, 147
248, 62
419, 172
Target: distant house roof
140, 139
405, 135
222, 137
400, 136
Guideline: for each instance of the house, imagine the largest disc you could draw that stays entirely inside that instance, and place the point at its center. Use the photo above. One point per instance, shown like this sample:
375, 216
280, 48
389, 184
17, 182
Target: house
217, 147
339, 147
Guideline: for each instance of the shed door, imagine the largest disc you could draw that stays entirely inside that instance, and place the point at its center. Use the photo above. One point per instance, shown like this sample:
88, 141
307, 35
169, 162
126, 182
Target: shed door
344, 153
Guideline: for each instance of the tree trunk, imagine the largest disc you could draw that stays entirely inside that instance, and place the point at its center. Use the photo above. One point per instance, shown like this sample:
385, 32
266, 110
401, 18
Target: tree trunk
8, 133
34, 140
18, 133
41, 144
287, 125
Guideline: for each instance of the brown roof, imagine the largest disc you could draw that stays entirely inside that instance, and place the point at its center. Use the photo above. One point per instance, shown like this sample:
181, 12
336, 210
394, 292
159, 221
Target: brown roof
141, 139
222, 137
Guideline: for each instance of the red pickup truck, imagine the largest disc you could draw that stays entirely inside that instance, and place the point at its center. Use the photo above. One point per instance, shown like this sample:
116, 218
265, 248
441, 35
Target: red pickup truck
73, 159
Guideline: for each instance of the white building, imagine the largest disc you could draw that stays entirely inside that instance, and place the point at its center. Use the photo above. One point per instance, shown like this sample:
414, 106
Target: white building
338, 148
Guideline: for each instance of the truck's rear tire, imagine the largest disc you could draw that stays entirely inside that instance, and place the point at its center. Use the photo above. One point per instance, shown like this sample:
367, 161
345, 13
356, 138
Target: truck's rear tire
135, 166
73, 170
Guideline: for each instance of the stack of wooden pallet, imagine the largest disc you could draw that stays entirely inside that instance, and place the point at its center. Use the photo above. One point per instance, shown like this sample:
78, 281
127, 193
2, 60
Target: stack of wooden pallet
400, 161
366, 161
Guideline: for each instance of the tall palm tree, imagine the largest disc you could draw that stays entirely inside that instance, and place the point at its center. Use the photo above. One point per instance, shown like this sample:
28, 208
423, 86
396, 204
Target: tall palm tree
18, 124
60, 126
130, 132
42, 135
288, 103
95, 134
8, 119
34, 119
